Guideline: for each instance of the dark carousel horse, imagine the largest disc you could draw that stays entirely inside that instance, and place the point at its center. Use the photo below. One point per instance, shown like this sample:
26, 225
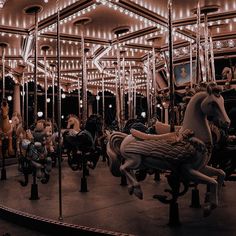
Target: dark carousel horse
35, 162
84, 142
224, 151
35, 159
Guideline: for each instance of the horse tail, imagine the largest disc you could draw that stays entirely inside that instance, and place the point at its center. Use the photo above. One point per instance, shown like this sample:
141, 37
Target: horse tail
113, 152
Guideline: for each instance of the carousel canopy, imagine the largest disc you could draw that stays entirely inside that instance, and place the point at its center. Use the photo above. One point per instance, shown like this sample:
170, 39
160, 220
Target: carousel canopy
137, 28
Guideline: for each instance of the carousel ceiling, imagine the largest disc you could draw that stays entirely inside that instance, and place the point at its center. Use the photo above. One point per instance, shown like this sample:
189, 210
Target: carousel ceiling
145, 24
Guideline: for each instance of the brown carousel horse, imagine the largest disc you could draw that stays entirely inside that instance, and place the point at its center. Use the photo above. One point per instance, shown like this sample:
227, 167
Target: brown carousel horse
6, 128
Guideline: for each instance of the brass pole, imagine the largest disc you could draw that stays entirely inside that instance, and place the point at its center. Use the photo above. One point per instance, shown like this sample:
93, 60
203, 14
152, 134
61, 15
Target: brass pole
23, 98
103, 102
27, 105
198, 44
171, 84
148, 90
3, 71
45, 83
191, 64
119, 98
79, 110
84, 79
36, 68
59, 109
154, 81
206, 48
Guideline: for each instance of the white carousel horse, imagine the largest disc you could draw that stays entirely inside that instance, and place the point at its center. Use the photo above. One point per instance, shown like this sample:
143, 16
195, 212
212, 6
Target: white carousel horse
6, 128
186, 151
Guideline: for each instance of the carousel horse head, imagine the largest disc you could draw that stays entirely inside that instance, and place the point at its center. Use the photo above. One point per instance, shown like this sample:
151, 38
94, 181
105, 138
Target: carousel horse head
16, 119
40, 126
94, 124
4, 108
213, 106
48, 127
73, 122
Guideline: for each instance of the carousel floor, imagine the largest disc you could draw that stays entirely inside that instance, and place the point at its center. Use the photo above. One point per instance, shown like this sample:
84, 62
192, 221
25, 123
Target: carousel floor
108, 206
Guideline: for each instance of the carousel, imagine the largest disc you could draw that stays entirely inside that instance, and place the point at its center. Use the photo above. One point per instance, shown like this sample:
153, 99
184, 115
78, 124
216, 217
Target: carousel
117, 117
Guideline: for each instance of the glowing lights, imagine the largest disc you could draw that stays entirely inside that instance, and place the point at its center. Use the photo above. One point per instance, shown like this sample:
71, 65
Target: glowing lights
9, 98
143, 114
63, 96
40, 114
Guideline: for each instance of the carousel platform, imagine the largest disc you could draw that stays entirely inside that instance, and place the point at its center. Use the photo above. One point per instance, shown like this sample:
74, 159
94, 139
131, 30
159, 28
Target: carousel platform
106, 208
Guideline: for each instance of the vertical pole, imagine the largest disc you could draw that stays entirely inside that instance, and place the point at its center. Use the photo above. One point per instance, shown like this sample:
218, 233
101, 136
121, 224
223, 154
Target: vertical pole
36, 68
27, 105
45, 86
84, 80
213, 76
171, 84
97, 98
154, 81
123, 90
118, 95
206, 47
53, 98
79, 111
3, 71
23, 99
117, 98
103, 103
59, 108
129, 93
198, 44
191, 64
148, 90
135, 96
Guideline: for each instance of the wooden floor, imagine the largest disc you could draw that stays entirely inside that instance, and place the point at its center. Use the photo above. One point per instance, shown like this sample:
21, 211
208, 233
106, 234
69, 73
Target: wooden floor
108, 205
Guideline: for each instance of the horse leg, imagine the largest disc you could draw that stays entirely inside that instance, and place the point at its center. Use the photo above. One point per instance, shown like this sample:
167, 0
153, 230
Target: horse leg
10, 146
199, 177
38, 168
134, 186
211, 171
47, 169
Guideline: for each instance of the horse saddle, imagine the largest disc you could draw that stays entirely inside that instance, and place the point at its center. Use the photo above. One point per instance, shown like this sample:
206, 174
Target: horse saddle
143, 136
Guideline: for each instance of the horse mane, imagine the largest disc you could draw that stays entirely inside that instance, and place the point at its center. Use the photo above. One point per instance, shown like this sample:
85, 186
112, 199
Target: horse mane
41, 121
73, 116
93, 120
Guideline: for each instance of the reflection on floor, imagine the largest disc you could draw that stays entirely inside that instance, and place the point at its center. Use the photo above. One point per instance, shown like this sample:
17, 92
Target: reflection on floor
107, 205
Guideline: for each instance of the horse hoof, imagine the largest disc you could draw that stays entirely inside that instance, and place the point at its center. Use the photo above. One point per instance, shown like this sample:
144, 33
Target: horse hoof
208, 209
131, 190
22, 183
45, 179
138, 192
